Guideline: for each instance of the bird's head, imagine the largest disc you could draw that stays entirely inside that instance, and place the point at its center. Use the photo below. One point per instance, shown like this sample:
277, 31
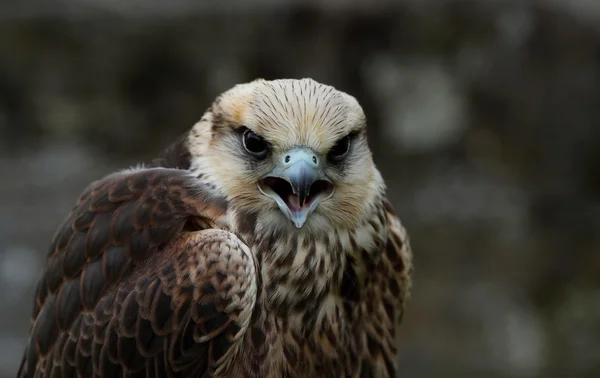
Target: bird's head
293, 151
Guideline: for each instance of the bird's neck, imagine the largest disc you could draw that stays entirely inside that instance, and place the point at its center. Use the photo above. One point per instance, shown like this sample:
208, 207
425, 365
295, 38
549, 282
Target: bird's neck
306, 277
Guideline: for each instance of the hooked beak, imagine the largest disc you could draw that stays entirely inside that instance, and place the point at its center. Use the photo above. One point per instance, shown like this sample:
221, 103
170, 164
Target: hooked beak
297, 185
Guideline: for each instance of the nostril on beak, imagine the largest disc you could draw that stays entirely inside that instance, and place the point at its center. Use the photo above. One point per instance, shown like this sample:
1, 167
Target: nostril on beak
287, 158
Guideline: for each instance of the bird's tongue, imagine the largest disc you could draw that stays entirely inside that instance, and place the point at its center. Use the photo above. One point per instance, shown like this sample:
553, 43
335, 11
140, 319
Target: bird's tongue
294, 202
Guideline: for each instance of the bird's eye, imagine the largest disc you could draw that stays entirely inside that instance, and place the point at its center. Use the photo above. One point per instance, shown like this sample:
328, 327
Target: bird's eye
340, 149
255, 144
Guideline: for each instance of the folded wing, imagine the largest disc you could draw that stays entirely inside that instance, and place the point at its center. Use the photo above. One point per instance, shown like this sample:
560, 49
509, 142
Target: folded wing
137, 281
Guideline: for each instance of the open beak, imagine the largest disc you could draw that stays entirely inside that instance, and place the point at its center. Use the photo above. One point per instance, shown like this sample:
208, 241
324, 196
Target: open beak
297, 184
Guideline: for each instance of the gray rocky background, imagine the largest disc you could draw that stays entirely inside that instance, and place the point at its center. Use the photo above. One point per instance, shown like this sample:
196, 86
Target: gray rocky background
484, 119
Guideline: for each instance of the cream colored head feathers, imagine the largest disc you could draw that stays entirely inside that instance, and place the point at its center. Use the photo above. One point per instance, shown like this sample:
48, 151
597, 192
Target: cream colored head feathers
248, 133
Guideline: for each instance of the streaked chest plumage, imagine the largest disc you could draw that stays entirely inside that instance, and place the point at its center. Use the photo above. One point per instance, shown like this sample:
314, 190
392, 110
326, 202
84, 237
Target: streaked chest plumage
313, 303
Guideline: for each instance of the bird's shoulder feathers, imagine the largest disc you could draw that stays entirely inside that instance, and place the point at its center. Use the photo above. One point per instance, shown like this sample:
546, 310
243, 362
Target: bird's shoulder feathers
137, 279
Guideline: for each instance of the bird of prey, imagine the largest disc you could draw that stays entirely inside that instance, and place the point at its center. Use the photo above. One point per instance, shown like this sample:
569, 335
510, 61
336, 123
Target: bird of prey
259, 244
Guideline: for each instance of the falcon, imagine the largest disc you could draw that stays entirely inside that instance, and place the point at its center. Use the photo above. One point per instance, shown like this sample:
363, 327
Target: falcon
259, 244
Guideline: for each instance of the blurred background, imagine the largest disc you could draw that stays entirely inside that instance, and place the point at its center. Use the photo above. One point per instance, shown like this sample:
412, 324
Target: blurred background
484, 117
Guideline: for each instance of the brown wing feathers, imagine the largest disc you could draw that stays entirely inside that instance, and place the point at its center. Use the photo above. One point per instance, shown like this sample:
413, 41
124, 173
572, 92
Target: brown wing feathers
117, 292
388, 294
